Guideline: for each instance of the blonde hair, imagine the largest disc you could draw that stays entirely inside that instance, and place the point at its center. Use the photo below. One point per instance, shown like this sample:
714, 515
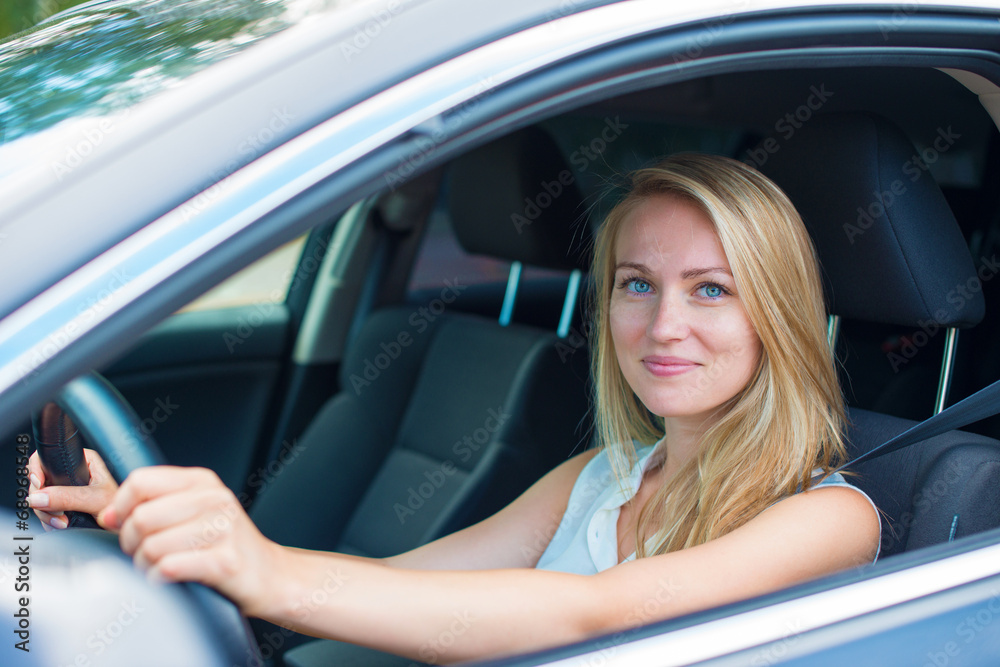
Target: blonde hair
788, 419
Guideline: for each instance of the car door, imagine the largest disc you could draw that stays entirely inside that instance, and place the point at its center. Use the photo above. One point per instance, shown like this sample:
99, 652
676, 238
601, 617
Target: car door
206, 383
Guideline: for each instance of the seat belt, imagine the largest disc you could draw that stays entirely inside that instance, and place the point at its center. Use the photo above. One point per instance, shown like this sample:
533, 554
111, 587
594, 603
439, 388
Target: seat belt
982, 404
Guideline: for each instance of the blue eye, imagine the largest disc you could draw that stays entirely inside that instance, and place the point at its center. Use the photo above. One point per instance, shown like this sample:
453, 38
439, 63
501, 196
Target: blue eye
712, 291
639, 286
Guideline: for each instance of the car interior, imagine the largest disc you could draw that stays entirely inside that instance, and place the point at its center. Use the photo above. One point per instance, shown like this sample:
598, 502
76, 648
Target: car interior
431, 358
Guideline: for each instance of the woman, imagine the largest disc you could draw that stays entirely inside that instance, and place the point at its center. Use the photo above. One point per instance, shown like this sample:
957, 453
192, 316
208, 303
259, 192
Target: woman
710, 353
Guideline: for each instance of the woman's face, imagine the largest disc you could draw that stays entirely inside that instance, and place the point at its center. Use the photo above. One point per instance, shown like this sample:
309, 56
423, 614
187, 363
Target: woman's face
681, 334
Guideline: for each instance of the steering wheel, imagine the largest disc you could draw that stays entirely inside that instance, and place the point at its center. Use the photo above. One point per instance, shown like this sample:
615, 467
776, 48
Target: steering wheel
112, 427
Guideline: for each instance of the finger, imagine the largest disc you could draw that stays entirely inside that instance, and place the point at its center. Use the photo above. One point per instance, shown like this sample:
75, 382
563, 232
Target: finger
96, 464
148, 483
185, 537
209, 566
205, 513
88, 499
35, 473
54, 520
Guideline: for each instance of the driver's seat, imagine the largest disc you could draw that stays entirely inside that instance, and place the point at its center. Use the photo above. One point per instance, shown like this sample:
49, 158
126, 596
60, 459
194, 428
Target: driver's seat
892, 253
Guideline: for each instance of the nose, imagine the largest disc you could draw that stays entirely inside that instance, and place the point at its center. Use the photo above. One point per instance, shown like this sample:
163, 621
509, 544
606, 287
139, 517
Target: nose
668, 319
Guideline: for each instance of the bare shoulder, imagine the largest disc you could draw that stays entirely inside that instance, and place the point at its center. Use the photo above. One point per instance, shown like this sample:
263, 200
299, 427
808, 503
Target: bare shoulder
814, 533
845, 512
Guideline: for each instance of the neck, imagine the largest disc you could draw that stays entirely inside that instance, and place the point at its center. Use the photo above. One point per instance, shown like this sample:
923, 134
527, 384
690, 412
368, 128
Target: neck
682, 439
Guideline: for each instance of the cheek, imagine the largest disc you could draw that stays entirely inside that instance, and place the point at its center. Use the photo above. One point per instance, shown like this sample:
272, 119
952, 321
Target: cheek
626, 323
744, 348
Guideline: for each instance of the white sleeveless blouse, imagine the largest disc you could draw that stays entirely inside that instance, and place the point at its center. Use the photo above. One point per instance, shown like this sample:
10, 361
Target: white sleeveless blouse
586, 541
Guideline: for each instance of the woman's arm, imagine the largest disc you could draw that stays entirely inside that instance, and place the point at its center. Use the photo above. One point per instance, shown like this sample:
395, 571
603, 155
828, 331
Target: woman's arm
185, 527
530, 520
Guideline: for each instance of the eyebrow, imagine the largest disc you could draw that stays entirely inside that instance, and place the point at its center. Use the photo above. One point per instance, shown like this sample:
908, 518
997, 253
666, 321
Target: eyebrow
633, 265
694, 273
686, 274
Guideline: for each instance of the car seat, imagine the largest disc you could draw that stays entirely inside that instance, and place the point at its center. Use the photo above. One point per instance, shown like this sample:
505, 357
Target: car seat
462, 413
891, 252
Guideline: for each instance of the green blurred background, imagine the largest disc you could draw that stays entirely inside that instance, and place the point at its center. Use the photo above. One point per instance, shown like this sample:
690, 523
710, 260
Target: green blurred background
18, 15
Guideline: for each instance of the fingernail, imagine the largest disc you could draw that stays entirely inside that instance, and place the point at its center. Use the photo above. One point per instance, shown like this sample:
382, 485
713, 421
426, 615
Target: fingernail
38, 500
34, 481
56, 522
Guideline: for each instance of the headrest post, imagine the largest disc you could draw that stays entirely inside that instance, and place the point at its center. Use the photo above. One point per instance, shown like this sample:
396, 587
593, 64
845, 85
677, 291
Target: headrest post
947, 363
832, 330
569, 303
510, 296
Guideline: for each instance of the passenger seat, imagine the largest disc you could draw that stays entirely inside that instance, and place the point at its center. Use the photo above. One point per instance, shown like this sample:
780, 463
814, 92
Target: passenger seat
460, 414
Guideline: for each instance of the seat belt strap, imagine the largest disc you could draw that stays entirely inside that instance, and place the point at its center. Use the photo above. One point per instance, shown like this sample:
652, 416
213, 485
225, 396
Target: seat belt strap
984, 403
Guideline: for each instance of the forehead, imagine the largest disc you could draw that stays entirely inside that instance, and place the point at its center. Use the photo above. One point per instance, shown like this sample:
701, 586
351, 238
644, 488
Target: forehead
668, 229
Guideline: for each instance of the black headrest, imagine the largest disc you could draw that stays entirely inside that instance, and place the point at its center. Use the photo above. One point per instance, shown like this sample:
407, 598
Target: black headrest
517, 199
890, 248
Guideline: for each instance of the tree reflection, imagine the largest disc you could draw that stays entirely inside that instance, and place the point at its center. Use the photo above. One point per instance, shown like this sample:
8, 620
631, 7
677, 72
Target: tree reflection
102, 57
18, 15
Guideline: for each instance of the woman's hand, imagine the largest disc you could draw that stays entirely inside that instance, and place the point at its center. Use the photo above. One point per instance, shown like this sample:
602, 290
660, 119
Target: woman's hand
184, 524
51, 502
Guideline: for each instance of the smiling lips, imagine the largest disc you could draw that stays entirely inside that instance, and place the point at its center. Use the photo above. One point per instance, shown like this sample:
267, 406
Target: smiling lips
668, 366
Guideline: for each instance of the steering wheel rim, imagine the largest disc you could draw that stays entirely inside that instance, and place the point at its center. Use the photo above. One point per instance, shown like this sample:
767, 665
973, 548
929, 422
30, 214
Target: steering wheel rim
110, 424
112, 427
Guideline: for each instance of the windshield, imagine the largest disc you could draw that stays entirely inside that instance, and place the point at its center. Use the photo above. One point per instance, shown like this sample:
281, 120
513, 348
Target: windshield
103, 57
